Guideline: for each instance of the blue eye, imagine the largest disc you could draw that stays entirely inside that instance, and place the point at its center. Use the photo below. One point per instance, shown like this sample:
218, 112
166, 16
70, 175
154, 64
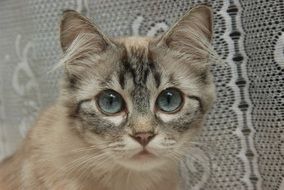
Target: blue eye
169, 100
110, 102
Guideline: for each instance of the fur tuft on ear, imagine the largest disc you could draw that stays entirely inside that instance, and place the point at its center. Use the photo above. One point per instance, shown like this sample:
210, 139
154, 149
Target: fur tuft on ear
192, 34
74, 25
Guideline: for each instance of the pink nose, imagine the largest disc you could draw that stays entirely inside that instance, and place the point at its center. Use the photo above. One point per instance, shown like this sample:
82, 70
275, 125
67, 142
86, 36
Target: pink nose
143, 137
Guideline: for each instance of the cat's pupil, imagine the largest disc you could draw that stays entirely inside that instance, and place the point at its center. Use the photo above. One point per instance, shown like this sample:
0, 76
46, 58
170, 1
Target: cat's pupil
169, 100
169, 97
110, 102
111, 99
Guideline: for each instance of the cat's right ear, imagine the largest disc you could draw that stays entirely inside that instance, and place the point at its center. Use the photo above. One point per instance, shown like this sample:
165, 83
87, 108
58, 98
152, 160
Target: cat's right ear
192, 33
73, 24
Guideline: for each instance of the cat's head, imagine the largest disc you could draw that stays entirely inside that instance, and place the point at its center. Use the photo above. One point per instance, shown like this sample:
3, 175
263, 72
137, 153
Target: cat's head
138, 100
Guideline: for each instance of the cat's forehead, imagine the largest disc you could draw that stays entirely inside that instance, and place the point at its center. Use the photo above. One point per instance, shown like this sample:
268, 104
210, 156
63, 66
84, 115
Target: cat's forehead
135, 50
136, 70
131, 43
136, 61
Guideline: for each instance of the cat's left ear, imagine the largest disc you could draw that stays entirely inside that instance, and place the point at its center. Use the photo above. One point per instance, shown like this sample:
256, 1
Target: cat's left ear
73, 24
192, 33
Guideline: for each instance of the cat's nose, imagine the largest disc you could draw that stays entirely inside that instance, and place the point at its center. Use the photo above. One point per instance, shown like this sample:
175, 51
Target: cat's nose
143, 137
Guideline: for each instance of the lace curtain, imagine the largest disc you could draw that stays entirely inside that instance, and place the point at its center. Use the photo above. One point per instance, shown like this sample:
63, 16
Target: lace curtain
242, 146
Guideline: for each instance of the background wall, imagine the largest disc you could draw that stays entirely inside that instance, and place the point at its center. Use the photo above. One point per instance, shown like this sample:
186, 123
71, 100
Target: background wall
242, 147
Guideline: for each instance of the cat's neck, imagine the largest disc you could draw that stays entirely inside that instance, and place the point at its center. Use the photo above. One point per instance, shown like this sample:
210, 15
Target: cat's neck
164, 178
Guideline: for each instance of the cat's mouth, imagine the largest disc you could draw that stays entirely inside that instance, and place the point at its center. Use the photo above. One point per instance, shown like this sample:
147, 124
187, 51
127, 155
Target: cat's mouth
144, 154
144, 159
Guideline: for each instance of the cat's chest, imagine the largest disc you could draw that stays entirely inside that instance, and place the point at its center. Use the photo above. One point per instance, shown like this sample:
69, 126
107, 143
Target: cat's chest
124, 182
159, 181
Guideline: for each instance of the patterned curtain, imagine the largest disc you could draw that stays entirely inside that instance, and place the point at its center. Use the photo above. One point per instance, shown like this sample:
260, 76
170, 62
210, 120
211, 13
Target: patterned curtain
242, 146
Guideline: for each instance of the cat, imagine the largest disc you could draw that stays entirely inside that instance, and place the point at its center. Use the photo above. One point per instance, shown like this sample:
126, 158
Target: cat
128, 110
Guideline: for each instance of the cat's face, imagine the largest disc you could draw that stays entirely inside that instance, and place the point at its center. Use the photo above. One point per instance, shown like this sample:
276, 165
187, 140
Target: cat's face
140, 101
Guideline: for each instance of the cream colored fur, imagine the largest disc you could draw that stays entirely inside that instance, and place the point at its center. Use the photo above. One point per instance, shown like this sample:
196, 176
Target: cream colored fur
52, 149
